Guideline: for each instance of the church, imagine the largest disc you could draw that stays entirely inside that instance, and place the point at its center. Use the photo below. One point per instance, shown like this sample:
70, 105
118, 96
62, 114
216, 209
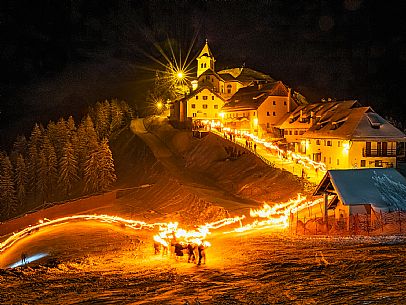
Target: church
217, 96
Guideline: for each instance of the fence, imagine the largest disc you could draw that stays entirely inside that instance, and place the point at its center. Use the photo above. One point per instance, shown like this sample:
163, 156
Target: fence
376, 223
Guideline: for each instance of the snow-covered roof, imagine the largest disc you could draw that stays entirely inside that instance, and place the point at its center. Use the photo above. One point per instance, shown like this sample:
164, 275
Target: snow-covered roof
383, 188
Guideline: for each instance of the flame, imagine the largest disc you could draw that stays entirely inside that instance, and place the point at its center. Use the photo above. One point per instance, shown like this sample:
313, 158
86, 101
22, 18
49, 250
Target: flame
269, 216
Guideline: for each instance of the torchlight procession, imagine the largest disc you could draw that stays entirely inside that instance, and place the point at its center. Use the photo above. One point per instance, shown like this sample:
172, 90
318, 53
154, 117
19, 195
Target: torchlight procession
276, 217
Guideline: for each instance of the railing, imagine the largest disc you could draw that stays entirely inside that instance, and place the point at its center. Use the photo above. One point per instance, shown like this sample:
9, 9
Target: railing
374, 152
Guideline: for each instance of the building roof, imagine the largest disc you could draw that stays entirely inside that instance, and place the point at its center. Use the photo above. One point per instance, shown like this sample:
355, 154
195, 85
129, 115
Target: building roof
354, 123
252, 97
200, 89
244, 75
206, 51
383, 188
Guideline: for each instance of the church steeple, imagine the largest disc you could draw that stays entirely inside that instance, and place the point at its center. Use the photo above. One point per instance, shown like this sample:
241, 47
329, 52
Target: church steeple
205, 60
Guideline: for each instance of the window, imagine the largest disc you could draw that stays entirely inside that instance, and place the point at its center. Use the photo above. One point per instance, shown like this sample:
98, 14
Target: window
290, 132
197, 97
301, 132
284, 103
208, 77
286, 132
194, 114
328, 143
273, 102
267, 125
296, 133
212, 98
193, 106
324, 159
267, 113
205, 65
338, 161
317, 142
201, 66
339, 144
204, 106
378, 163
216, 106
229, 88
329, 160
204, 97
363, 163
274, 113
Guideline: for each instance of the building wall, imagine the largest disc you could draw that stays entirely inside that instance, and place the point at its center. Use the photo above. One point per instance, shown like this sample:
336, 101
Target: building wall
235, 120
344, 154
272, 110
204, 106
233, 87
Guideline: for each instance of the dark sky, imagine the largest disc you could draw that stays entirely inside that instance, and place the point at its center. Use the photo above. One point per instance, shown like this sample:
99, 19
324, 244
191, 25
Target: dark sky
59, 56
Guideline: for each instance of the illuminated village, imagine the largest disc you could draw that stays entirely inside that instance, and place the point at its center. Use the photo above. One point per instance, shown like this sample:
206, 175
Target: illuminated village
231, 188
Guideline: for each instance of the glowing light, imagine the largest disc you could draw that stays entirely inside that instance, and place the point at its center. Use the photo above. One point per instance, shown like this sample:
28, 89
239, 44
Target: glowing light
159, 105
180, 74
28, 260
255, 121
346, 147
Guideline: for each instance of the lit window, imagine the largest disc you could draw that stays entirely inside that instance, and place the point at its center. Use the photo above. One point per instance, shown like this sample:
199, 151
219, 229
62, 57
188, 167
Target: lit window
378, 163
216, 106
193, 106
204, 97
204, 106
194, 114
363, 163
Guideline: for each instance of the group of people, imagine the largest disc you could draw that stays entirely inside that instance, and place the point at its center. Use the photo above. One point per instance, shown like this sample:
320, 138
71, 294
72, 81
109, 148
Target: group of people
196, 252
248, 144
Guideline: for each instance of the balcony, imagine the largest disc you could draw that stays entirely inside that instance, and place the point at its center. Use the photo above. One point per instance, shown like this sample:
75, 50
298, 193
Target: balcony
374, 152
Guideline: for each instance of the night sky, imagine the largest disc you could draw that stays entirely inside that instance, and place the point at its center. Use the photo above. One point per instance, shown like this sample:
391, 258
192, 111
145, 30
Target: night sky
57, 57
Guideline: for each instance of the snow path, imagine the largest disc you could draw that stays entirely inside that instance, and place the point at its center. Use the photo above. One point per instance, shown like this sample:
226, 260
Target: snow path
197, 182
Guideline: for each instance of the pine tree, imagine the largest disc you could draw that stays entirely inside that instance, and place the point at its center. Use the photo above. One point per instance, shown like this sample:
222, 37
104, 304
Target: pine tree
36, 136
42, 180
32, 168
20, 179
51, 167
68, 173
8, 199
117, 116
87, 143
99, 172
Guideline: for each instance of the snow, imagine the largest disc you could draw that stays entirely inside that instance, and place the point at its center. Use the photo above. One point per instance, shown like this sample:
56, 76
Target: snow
173, 177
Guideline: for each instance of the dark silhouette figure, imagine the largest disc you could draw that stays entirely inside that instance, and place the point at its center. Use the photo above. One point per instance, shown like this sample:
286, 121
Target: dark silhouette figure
191, 254
202, 254
24, 258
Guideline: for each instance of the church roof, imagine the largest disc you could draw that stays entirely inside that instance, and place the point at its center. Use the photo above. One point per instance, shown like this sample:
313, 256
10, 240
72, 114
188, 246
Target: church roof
383, 188
244, 75
200, 89
206, 51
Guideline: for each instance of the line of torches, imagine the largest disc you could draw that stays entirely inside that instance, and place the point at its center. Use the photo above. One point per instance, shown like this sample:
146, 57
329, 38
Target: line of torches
275, 216
305, 161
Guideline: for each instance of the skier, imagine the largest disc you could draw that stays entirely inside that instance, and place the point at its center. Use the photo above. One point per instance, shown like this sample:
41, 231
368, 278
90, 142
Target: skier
157, 247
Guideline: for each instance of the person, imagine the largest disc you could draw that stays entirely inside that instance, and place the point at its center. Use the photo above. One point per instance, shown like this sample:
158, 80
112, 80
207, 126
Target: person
202, 254
246, 143
165, 248
178, 250
157, 247
191, 254
255, 147
23, 258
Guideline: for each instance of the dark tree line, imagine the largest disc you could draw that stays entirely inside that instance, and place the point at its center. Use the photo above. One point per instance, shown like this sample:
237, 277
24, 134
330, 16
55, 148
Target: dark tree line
62, 160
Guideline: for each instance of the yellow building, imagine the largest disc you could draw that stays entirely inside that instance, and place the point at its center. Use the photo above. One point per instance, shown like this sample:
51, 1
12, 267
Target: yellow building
211, 89
259, 109
355, 137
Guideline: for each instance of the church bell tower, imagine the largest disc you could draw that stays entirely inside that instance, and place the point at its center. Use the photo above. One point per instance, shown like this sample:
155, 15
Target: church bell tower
205, 60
